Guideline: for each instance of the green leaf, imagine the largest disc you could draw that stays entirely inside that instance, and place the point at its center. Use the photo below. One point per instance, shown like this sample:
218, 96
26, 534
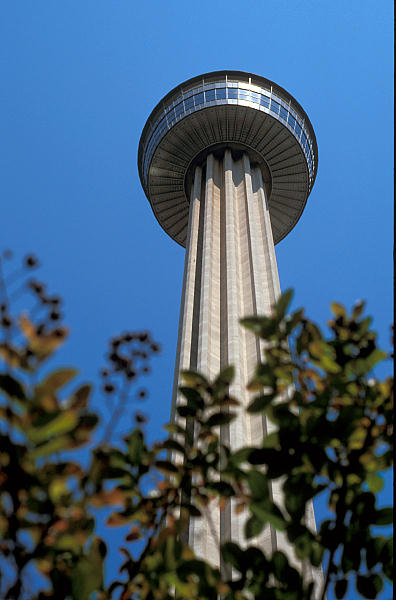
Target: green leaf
316, 553
58, 444
240, 456
271, 440
117, 459
173, 445
224, 379
62, 423
374, 358
384, 516
192, 510
338, 310
226, 376
186, 411
369, 586
357, 438
220, 487
166, 466
264, 376
87, 575
192, 378
387, 558
373, 551
253, 558
323, 355
262, 456
57, 488
56, 380
340, 588
303, 544
219, 419
232, 554
282, 303
358, 309
351, 555
264, 327
260, 403
253, 527
193, 397
253, 323
294, 502
79, 399
258, 484
11, 387
191, 567
280, 566
268, 512
136, 447
175, 428
375, 482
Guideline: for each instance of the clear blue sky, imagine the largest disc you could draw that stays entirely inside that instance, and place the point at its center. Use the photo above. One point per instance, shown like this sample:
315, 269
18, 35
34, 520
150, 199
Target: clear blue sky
79, 78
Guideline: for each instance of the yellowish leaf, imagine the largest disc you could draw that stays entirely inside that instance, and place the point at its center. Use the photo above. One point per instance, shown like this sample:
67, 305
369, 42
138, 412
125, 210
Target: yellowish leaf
62, 423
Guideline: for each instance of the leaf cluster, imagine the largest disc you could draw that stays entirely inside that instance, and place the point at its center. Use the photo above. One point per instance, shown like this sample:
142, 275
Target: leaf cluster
330, 433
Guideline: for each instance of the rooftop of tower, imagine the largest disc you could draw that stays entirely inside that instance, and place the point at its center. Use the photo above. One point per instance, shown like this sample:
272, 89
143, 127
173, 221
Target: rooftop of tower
231, 109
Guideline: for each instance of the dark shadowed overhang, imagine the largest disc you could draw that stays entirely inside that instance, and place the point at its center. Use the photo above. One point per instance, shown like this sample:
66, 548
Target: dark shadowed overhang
235, 109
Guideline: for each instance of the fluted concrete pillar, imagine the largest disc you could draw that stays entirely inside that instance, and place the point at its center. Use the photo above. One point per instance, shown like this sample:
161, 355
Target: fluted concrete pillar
230, 272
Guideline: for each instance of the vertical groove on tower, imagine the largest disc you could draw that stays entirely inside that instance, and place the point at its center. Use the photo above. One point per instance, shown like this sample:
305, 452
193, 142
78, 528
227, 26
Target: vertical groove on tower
209, 346
226, 336
195, 530
204, 341
200, 182
257, 426
233, 434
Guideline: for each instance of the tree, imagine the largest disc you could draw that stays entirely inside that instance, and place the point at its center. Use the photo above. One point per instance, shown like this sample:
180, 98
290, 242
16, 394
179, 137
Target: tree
333, 436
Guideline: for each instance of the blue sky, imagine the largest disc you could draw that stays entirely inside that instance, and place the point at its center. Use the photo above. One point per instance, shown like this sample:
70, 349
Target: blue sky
80, 78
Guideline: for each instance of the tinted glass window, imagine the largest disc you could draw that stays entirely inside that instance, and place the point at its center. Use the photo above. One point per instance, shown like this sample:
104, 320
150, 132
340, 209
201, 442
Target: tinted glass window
283, 113
233, 93
292, 120
210, 95
179, 109
264, 101
255, 97
220, 94
274, 106
244, 95
199, 98
298, 128
189, 103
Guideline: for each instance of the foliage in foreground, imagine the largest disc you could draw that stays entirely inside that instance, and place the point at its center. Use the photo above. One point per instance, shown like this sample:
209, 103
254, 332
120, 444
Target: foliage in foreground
333, 435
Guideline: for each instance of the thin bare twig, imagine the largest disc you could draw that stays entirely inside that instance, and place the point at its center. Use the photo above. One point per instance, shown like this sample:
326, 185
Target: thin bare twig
116, 414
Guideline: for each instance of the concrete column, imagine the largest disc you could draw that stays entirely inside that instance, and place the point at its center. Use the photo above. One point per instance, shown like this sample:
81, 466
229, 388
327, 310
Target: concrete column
230, 272
206, 313
232, 524
184, 341
206, 535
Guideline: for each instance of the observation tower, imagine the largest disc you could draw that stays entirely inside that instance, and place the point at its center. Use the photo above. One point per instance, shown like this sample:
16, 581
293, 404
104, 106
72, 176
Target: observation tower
227, 161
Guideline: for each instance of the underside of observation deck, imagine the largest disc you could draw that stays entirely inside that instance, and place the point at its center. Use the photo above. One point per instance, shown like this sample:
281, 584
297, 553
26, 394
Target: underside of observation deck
243, 113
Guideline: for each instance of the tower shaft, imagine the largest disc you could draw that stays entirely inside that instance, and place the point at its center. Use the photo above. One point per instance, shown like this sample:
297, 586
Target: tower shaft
230, 272
227, 160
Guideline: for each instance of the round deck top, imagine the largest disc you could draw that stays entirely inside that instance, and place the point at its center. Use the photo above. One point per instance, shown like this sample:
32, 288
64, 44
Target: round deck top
234, 109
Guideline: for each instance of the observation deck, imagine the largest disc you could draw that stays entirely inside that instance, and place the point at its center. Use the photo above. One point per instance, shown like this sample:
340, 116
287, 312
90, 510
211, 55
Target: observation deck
227, 110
